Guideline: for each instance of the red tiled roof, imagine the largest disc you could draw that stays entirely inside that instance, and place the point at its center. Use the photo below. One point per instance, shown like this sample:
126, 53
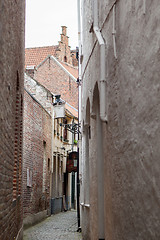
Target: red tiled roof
72, 70
71, 110
34, 56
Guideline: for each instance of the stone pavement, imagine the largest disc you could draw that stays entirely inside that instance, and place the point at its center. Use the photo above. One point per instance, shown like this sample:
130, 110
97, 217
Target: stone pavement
60, 226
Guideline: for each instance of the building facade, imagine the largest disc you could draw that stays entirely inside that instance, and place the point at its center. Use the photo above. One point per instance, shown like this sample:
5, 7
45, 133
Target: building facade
55, 67
36, 160
59, 78
120, 120
50, 71
11, 116
63, 193
47, 185
62, 52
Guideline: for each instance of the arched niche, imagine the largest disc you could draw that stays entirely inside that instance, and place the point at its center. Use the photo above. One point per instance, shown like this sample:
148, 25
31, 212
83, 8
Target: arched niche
98, 158
87, 113
95, 101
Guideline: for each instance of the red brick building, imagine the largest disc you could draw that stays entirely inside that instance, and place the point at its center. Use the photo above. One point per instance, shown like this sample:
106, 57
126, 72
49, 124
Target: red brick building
37, 159
45, 148
59, 79
55, 67
62, 51
50, 70
11, 111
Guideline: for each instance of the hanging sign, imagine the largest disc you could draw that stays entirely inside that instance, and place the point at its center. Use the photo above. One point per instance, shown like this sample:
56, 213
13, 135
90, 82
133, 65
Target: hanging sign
72, 162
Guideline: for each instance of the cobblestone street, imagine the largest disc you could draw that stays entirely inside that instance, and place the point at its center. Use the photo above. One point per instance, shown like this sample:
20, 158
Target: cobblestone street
59, 226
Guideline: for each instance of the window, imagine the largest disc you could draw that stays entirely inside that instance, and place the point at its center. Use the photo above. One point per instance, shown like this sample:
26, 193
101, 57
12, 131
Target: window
61, 130
57, 127
65, 135
48, 164
29, 177
44, 166
65, 59
69, 83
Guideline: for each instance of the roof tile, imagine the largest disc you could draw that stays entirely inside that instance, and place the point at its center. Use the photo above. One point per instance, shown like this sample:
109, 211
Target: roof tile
34, 56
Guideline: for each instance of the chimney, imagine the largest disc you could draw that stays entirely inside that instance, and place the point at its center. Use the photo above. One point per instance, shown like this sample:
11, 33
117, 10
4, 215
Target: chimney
64, 30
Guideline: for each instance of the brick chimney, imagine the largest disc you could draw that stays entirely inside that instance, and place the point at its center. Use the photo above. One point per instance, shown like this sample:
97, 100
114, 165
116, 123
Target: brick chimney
64, 37
64, 30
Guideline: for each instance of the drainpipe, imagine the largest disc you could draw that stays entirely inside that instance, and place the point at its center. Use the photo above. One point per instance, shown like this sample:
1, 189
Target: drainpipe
103, 114
114, 31
79, 62
144, 7
79, 113
52, 149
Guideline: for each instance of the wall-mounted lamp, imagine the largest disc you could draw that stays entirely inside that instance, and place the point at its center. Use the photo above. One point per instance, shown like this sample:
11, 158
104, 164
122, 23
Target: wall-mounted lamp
59, 107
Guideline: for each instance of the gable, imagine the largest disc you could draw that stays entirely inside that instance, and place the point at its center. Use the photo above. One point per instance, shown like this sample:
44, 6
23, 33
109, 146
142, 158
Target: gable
57, 79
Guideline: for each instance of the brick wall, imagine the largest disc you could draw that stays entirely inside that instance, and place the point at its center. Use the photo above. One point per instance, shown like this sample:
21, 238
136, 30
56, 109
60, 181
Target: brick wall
11, 110
37, 156
44, 97
127, 146
54, 78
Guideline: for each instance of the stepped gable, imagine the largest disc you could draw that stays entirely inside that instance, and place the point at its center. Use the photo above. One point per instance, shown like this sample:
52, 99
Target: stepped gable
34, 56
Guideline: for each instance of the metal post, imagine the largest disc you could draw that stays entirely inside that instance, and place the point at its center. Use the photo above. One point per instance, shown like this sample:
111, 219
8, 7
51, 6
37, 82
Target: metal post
79, 101
78, 191
73, 133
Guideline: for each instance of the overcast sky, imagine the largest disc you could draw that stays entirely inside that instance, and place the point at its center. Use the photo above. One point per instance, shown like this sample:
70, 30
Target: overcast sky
44, 19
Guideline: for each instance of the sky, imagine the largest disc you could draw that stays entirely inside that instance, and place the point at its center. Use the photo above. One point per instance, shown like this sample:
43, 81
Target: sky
44, 19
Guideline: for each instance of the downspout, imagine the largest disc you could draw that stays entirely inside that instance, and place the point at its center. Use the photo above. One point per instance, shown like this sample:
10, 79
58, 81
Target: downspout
101, 117
144, 7
103, 114
52, 149
79, 62
79, 114
114, 31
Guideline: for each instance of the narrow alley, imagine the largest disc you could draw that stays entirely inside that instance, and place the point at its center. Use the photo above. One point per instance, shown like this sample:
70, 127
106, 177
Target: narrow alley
59, 226
80, 128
